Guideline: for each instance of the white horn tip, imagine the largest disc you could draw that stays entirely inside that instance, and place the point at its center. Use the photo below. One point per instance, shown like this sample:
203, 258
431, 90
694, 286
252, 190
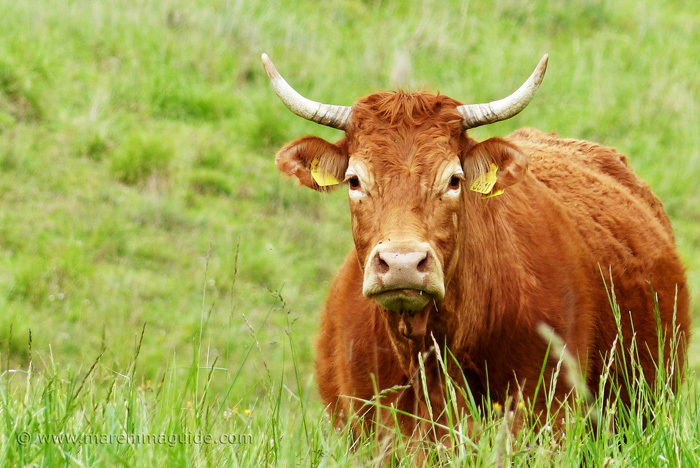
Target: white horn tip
269, 67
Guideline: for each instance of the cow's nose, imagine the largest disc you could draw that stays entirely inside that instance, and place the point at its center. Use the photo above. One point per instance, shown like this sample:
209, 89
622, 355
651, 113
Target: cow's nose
403, 277
398, 266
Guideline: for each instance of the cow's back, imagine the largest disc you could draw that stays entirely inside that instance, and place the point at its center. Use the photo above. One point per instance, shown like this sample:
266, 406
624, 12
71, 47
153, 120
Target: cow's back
547, 152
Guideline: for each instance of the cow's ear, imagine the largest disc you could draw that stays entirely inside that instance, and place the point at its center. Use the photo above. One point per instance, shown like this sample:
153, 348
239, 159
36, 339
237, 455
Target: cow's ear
315, 163
508, 161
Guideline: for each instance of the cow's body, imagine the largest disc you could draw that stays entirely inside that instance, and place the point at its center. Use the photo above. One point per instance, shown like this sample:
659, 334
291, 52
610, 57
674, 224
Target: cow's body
437, 266
538, 255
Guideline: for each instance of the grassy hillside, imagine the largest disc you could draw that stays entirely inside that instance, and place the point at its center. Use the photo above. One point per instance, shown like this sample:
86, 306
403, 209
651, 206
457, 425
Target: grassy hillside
137, 183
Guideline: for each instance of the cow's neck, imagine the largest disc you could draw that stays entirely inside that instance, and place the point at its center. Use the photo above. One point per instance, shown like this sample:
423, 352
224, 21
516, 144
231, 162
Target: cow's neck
485, 279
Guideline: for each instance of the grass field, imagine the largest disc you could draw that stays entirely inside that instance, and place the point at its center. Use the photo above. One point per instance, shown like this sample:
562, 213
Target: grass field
157, 274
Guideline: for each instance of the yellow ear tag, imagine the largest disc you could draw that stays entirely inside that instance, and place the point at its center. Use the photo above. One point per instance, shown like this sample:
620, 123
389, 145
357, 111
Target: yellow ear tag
322, 179
484, 183
494, 194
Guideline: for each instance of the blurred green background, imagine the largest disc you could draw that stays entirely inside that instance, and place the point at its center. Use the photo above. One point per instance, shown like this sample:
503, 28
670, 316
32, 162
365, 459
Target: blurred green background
137, 143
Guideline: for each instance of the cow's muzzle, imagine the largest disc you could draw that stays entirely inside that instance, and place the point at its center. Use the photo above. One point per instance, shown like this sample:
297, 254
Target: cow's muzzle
403, 276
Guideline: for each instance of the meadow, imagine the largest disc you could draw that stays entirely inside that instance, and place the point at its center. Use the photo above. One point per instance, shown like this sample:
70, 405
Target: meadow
158, 276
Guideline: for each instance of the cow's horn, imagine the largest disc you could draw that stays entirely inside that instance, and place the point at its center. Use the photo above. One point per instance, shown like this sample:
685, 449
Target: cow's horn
476, 115
324, 114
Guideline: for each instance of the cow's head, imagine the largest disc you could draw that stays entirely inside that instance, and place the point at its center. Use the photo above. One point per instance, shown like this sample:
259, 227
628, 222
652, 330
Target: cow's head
408, 165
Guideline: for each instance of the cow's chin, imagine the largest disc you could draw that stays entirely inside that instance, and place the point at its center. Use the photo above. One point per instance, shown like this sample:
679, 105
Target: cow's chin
403, 299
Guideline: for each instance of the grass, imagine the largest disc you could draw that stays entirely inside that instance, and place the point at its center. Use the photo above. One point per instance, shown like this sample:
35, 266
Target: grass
100, 417
137, 187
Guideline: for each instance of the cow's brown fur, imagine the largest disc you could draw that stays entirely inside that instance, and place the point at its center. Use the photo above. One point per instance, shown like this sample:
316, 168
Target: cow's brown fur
533, 254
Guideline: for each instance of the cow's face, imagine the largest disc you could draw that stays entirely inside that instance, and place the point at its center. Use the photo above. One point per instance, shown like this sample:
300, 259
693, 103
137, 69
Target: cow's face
408, 167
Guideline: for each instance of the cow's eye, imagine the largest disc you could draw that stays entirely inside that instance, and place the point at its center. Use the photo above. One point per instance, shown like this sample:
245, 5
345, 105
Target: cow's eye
354, 182
454, 182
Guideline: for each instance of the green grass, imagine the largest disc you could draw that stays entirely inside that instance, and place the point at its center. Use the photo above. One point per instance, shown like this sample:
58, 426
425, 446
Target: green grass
137, 186
101, 417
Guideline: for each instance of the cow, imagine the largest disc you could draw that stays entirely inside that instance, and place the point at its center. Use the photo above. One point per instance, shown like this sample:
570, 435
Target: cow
463, 249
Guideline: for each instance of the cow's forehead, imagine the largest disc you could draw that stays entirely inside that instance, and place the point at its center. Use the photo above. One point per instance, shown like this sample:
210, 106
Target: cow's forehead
403, 147
393, 150
394, 168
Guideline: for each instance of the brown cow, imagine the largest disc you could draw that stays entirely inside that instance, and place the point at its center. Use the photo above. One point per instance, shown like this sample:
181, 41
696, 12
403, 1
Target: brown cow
437, 262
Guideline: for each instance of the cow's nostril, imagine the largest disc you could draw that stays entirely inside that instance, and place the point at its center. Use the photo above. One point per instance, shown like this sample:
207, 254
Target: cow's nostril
423, 264
381, 266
